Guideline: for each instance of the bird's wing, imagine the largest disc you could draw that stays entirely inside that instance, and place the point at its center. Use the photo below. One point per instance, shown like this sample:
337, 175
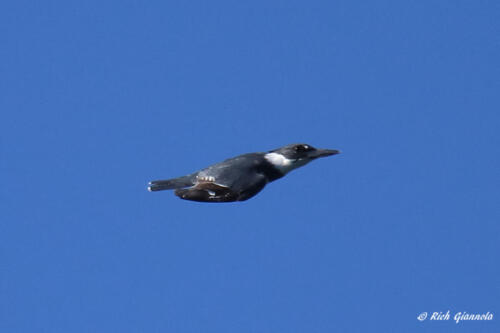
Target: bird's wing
207, 192
210, 191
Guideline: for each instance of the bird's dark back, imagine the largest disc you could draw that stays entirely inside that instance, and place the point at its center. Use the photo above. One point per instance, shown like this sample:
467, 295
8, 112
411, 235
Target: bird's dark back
231, 171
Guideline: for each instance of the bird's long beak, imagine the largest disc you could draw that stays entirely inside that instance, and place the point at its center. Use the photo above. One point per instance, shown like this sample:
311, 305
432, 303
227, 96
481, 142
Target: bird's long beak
324, 152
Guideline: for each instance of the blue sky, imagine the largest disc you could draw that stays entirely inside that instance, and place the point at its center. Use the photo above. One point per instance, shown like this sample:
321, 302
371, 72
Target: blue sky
99, 97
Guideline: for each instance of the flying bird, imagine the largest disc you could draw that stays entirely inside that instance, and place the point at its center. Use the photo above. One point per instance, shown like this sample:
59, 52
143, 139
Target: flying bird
241, 177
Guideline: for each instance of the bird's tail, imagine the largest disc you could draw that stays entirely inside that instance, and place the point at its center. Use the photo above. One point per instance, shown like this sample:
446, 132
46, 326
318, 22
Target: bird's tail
170, 184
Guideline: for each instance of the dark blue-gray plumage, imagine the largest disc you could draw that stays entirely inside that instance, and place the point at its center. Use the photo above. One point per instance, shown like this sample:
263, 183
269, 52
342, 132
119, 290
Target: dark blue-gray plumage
240, 178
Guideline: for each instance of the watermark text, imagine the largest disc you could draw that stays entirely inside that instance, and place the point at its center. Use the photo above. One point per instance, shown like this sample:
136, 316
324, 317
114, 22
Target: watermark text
457, 317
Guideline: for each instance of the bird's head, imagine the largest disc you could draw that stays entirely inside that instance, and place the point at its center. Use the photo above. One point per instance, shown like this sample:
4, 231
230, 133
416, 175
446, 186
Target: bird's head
296, 155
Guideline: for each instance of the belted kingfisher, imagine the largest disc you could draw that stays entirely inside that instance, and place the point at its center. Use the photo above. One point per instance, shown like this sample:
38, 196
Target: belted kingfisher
240, 178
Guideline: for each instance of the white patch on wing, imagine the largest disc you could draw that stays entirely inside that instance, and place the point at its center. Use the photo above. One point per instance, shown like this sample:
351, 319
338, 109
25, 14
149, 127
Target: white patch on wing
206, 178
282, 163
203, 178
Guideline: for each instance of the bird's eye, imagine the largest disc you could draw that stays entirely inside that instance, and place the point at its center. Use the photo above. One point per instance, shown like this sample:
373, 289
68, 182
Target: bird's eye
301, 148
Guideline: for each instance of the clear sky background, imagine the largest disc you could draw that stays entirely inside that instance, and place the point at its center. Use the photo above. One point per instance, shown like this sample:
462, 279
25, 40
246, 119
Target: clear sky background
99, 97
